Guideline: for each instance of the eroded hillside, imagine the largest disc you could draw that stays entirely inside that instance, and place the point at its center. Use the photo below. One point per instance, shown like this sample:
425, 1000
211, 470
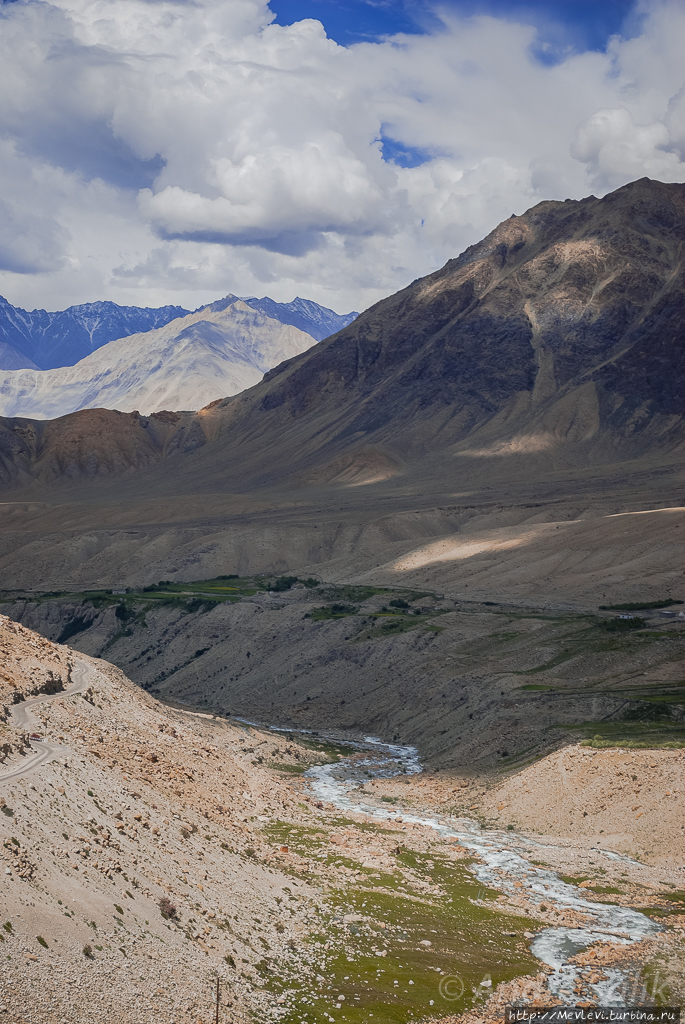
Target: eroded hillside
470, 682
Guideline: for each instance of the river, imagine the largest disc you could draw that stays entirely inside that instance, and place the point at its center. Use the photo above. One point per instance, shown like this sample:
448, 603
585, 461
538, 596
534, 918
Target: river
499, 863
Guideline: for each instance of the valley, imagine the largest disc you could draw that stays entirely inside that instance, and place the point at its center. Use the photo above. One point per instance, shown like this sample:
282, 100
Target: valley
162, 848
470, 683
385, 654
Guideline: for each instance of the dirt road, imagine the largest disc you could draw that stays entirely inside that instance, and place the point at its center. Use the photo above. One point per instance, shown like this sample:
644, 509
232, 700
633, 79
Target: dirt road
22, 718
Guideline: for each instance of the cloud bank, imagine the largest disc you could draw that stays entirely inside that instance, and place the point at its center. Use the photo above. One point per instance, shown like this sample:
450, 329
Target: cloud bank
155, 152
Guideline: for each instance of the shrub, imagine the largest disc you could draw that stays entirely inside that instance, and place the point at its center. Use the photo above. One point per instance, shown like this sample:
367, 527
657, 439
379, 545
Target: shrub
88, 951
399, 602
166, 907
119, 910
123, 613
637, 606
622, 625
201, 604
42, 941
283, 583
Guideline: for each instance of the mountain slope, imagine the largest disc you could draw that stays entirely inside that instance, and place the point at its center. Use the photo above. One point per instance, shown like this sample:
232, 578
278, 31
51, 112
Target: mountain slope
43, 340
319, 321
12, 359
48, 340
541, 369
560, 333
189, 362
571, 297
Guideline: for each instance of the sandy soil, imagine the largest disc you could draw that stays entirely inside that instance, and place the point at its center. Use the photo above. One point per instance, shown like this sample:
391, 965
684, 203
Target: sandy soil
628, 801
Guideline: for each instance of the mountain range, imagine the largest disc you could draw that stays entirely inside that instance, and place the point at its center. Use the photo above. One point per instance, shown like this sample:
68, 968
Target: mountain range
219, 350
535, 378
41, 340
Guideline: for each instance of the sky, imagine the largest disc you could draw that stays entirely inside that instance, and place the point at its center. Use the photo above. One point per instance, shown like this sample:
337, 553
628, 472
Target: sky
173, 151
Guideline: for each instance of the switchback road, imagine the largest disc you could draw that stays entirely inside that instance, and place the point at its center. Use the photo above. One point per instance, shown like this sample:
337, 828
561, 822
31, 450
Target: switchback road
22, 718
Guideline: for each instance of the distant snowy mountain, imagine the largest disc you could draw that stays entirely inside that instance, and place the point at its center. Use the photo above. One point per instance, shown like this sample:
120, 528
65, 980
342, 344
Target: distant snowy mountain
43, 340
11, 359
209, 354
48, 340
309, 316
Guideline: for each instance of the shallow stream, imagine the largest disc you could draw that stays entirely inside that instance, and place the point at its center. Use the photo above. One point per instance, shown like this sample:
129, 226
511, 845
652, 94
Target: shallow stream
499, 864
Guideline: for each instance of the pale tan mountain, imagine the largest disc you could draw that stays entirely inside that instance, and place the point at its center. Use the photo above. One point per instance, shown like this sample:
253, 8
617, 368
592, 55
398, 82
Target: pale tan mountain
219, 350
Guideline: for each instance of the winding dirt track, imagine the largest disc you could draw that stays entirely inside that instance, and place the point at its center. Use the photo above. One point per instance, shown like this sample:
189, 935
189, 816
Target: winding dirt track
23, 719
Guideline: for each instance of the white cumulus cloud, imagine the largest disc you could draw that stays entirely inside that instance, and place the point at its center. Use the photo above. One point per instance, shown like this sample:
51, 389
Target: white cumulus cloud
170, 151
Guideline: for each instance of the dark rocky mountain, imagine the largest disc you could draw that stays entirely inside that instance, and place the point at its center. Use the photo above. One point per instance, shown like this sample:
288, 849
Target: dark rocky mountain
542, 364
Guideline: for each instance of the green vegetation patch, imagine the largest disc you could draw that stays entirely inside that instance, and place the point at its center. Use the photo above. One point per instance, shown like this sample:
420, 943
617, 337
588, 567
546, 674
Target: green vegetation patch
393, 621
329, 747
620, 625
637, 606
339, 610
599, 743
407, 947
355, 595
647, 724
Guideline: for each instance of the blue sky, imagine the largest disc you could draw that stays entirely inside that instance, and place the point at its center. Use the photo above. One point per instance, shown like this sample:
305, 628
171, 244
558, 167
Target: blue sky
563, 24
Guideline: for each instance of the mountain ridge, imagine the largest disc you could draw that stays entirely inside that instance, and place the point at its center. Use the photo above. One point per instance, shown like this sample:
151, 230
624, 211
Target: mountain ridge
39, 339
49, 340
189, 362
304, 314
540, 369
